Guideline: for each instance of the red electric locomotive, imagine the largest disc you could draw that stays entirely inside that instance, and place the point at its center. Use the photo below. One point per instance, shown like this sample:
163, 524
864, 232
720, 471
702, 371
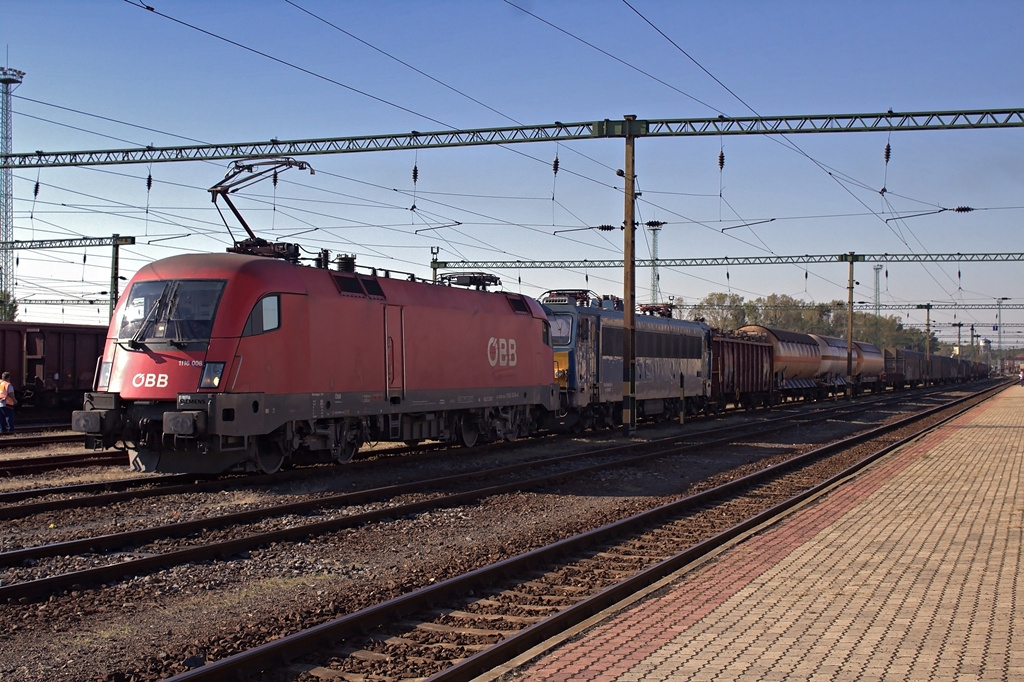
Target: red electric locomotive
219, 362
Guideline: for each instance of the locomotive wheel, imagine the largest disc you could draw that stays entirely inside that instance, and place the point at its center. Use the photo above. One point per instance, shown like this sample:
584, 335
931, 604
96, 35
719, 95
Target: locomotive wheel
267, 455
345, 452
469, 432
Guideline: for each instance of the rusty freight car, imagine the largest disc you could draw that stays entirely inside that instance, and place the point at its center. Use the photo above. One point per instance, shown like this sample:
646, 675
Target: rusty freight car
51, 365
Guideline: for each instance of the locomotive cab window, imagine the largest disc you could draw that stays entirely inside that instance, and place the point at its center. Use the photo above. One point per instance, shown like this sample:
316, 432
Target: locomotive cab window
265, 316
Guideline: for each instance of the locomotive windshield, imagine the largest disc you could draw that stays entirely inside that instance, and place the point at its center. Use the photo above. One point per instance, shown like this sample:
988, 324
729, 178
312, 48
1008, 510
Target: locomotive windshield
177, 312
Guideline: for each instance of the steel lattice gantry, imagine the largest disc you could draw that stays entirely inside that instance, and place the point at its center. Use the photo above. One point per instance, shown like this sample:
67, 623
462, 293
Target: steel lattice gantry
115, 241
898, 306
549, 132
727, 261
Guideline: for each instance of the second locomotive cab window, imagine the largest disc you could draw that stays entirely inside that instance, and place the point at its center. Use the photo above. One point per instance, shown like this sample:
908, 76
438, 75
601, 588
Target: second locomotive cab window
561, 329
265, 316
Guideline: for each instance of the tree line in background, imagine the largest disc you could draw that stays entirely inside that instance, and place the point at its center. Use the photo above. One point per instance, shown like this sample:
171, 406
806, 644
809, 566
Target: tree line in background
779, 311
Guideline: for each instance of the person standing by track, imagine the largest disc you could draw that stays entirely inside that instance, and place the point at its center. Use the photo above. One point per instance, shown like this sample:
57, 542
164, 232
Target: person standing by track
7, 403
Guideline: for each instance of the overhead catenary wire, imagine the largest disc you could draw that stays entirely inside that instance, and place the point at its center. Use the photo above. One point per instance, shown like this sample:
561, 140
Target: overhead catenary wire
471, 230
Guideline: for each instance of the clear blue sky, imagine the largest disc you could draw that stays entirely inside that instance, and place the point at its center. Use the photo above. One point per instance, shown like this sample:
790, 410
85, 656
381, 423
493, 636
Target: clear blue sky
109, 75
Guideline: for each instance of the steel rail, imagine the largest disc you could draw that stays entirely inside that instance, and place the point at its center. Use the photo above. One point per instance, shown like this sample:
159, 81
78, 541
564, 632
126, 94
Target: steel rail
32, 465
90, 489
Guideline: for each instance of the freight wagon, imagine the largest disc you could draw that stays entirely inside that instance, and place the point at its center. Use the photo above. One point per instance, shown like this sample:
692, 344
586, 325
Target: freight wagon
51, 365
741, 371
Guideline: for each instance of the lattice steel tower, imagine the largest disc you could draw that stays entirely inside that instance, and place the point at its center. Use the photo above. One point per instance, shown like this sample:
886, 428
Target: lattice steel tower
9, 78
655, 227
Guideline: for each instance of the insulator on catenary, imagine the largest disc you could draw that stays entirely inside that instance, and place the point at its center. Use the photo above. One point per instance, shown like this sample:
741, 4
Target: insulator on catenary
35, 192
962, 209
554, 166
721, 160
275, 179
149, 182
415, 173
888, 152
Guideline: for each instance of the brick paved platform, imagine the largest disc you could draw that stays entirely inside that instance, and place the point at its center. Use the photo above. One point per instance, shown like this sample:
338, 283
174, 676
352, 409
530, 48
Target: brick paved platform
909, 571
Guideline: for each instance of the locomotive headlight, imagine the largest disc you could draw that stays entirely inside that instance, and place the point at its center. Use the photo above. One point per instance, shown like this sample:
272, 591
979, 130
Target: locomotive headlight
212, 372
103, 379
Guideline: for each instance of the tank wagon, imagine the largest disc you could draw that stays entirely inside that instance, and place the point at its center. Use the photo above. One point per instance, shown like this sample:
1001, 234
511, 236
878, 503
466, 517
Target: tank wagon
796, 362
219, 362
813, 366
673, 361
51, 365
869, 367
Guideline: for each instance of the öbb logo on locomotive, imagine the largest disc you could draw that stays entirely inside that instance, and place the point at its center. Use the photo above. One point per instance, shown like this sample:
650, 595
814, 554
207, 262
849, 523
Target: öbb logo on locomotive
149, 380
502, 352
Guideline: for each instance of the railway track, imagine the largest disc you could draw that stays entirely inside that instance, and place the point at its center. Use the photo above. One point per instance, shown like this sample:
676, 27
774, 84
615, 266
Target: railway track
22, 466
471, 623
111, 492
342, 511
356, 567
